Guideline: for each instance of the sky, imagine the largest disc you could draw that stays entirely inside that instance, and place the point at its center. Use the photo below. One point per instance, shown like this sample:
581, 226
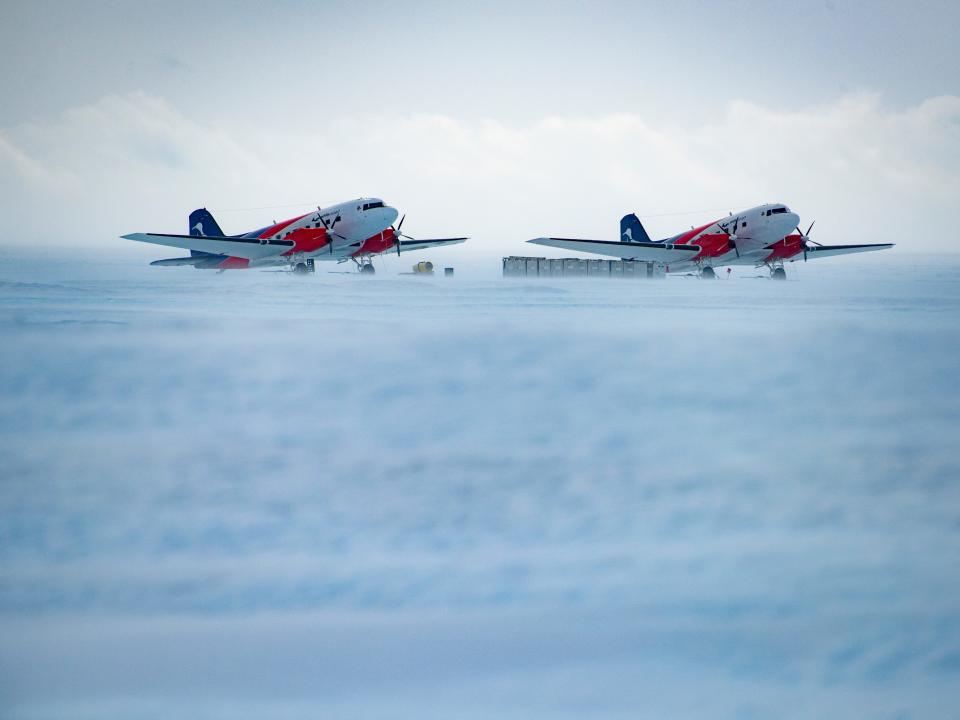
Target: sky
503, 121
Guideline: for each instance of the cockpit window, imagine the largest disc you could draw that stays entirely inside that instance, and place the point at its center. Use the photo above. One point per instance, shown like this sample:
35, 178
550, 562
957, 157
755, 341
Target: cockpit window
775, 211
371, 206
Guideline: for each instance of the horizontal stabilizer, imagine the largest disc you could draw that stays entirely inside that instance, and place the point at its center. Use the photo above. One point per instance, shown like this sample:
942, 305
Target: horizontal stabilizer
646, 251
201, 260
181, 261
249, 248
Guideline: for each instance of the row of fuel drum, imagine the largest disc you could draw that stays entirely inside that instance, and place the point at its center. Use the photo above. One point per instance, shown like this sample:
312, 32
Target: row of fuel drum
515, 266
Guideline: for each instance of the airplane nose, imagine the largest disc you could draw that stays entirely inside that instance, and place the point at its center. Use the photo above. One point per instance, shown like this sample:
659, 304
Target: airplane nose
390, 214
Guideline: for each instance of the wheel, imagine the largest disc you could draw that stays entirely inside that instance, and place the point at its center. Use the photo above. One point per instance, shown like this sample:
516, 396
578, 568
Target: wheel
300, 269
778, 274
367, 269
707, 273
311, 266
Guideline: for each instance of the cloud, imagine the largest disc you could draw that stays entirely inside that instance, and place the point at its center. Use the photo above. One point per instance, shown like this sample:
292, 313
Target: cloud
913, 151
137, 162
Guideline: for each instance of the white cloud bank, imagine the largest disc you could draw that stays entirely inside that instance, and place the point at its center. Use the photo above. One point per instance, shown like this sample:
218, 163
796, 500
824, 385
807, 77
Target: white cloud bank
135, 162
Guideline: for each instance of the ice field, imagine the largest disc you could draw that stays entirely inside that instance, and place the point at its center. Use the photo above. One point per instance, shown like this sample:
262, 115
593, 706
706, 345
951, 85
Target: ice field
253, 495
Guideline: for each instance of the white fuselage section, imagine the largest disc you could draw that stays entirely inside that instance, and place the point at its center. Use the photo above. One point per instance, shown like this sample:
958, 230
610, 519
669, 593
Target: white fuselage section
754, 229
348, 224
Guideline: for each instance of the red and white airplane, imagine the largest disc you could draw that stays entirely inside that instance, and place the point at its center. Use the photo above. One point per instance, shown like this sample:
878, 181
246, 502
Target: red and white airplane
355, 230
765, 235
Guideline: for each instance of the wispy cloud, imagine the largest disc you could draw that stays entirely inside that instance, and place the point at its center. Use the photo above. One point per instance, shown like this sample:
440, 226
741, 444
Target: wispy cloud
137, 162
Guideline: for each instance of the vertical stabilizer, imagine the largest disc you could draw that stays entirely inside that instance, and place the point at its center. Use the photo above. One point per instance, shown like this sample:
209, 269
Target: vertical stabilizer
631, 229
202, 223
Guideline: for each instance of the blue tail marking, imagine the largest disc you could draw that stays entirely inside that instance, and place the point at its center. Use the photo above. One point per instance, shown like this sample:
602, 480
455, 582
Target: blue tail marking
631, 229
201, 222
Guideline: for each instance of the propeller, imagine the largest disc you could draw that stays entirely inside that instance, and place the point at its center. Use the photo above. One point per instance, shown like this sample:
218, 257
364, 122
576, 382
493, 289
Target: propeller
805, 238
732, 235
336, 234
397, 234
329, 228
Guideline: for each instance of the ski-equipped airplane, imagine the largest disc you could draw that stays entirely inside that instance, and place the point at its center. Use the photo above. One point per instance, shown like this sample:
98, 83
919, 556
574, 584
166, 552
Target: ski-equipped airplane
355, 230
765, 235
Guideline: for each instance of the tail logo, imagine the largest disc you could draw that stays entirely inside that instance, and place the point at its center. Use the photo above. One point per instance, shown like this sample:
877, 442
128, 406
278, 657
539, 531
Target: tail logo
629, 233
198, 229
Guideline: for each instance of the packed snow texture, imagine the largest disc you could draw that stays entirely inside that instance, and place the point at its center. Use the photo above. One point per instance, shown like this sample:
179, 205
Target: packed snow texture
255, 495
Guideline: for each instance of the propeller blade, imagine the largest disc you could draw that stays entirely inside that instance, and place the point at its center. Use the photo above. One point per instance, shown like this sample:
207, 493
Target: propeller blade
806, 236
400, 224
331, 242
731, 234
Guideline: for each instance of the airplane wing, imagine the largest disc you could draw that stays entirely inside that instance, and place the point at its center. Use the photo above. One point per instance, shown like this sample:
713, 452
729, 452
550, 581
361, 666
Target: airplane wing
250, 248
828, 250
411, 244
647, 251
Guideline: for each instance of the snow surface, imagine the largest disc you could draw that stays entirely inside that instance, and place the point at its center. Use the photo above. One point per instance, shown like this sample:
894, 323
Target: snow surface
254, 495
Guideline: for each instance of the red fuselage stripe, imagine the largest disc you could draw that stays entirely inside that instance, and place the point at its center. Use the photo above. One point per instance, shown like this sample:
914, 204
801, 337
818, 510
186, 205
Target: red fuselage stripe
274, 229
381, 242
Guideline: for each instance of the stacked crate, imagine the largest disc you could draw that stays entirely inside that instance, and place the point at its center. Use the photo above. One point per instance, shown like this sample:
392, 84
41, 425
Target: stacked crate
515, 266
574, 267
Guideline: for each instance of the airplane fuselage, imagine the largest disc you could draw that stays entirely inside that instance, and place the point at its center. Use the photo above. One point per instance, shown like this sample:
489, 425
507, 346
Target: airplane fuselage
763, 235
753, 233
353, 230
350, 229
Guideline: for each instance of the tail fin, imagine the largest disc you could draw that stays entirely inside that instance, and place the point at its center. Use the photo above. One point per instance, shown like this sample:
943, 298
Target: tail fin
631, 230
202, 223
